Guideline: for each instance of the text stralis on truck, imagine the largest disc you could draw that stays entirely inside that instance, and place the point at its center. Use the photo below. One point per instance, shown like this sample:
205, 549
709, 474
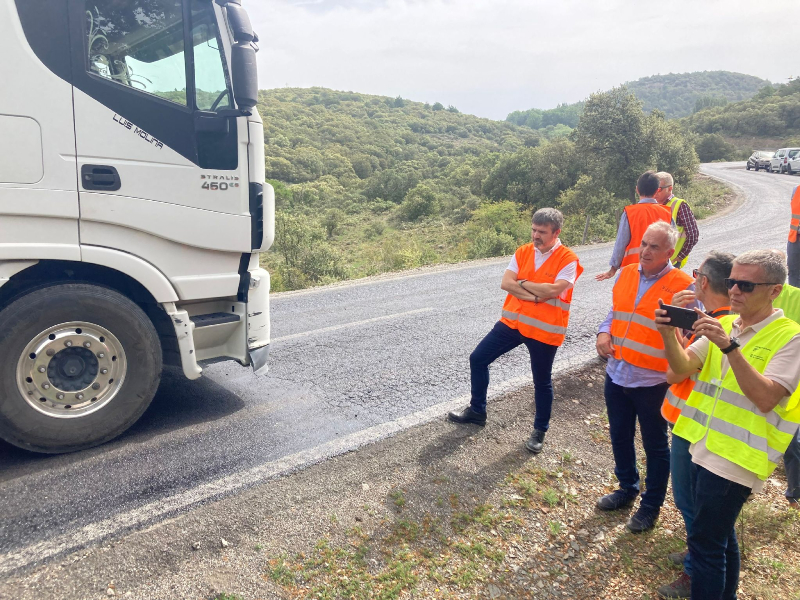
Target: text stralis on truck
133, 208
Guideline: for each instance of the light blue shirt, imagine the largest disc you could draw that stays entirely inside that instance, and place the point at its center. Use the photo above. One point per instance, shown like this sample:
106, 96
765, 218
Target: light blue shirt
624, 235
621, 372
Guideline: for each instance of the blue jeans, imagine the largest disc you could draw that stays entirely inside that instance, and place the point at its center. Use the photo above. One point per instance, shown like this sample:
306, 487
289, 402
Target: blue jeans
680, 466
712, 541
791, 462
793, 262
625, 405
498, 341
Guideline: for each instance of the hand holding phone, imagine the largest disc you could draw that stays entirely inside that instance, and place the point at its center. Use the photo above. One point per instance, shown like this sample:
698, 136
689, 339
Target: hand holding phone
683, 318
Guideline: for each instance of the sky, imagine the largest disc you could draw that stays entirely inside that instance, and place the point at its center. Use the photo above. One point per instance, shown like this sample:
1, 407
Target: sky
491, 57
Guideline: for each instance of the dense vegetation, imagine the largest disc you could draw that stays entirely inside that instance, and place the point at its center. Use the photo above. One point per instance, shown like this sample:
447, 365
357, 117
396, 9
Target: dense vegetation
675, 95
366, 184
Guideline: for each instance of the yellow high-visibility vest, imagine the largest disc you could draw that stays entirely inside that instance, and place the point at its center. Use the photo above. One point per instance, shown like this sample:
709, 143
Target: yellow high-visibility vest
737, 430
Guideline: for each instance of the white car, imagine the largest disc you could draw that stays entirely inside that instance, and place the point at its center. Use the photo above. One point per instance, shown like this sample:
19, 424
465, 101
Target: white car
793, 164
780, 162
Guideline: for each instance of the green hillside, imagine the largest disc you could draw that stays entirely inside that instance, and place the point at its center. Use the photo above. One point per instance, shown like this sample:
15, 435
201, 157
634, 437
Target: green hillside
366, 184
676, 95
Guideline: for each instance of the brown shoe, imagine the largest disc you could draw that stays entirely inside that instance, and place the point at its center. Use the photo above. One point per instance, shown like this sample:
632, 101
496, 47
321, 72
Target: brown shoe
680, 589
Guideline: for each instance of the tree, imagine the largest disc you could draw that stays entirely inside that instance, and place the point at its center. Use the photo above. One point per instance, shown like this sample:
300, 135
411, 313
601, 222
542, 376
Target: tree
438, 106
611, 136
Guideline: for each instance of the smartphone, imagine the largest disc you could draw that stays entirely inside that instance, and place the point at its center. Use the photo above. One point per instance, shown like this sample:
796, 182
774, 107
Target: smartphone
680, 317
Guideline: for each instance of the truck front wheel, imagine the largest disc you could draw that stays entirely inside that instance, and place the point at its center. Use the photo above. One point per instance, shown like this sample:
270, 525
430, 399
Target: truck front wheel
79, 364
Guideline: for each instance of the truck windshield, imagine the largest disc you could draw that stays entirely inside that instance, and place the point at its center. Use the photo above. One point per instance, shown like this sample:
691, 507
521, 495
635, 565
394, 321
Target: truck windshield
140, 44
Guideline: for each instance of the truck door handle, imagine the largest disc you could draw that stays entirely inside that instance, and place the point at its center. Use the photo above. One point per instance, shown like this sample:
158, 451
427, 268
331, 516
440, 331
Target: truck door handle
100, 177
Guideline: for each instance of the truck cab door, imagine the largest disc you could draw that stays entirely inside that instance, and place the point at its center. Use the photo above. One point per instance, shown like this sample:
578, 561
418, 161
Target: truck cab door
161, 152
38, 193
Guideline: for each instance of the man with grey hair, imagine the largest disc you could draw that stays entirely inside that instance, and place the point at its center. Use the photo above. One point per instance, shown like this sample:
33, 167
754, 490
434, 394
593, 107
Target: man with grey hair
741, 414
539, 281
636, 375
682, 216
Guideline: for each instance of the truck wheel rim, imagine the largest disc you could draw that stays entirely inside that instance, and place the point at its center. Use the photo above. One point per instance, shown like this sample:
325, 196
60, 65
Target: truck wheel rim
71, 370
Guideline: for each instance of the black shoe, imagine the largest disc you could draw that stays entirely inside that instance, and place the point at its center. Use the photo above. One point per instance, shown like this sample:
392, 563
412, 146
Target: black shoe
535, 442
643, 519
677, 558
615, 500
467, 416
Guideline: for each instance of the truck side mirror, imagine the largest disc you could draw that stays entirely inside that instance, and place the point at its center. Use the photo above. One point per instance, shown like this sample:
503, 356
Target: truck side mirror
245, 75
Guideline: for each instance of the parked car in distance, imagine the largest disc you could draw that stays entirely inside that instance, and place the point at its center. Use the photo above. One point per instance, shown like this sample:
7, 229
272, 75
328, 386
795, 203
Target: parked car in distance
793, 164
780, 161
759, 159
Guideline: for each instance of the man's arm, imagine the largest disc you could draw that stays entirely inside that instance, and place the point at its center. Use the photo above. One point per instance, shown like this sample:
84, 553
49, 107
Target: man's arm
761, 391
511, 285
623, 239
689, 223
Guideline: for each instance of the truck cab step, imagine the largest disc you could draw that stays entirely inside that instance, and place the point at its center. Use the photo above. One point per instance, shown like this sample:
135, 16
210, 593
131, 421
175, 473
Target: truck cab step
218, 318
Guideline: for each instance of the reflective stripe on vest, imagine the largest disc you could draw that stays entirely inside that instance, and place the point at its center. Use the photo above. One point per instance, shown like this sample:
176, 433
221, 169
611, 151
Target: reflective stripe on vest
794, 224
675, 204
640, 216
633, 330
678, 393
545, 321
534, 323
733, 426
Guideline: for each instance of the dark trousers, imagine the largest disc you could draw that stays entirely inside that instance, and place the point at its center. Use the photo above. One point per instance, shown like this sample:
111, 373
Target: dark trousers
498, 341
793, 261
712, 540
625, 405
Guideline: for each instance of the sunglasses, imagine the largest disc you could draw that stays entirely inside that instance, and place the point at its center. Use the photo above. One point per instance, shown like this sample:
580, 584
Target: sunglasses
744, 286
696, 272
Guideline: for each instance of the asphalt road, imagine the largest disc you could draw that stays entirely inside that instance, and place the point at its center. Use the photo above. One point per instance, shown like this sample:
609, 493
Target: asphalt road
348, 364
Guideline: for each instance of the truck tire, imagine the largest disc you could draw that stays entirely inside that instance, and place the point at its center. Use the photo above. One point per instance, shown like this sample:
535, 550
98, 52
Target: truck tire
79, 364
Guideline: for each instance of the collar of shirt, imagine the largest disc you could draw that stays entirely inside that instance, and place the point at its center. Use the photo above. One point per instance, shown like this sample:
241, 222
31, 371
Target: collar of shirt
549, 252
658, 275
756, 327
671, 196
647, 201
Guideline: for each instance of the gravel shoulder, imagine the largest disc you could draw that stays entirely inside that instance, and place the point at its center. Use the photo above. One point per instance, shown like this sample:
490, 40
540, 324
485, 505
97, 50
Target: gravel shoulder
437, 511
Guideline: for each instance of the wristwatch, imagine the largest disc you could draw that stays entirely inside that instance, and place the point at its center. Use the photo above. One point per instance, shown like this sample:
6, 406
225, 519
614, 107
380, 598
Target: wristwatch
734, 345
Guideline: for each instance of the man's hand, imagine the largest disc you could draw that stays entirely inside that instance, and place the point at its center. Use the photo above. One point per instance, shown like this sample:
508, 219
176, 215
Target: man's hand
607, 275
712, 329
663, 321
604, 345
684, 297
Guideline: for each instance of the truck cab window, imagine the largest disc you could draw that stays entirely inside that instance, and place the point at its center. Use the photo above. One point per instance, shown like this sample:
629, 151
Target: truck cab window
212, 90
139, 44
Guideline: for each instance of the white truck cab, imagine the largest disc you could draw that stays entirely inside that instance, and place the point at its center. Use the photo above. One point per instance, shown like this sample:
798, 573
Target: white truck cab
133, 209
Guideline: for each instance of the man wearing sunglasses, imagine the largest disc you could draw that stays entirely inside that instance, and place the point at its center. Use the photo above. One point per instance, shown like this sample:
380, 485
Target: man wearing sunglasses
742, 413
711, 291
682, 216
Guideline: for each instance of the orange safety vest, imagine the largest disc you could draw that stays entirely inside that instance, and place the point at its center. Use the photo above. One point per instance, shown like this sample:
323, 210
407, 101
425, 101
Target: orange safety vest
544, 321
678, 393
640, 217
794, 226
633, 326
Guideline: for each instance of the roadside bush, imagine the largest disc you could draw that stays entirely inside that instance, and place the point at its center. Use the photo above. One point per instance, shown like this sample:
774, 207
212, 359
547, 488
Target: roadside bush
506, 218
419, 202
490, 243
713, 146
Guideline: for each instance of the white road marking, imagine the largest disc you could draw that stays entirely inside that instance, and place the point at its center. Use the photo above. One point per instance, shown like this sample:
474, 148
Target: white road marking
150, 513
353, 324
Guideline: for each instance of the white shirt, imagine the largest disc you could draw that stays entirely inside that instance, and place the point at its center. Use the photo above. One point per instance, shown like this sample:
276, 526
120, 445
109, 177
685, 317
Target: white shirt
784, 368
568, 273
